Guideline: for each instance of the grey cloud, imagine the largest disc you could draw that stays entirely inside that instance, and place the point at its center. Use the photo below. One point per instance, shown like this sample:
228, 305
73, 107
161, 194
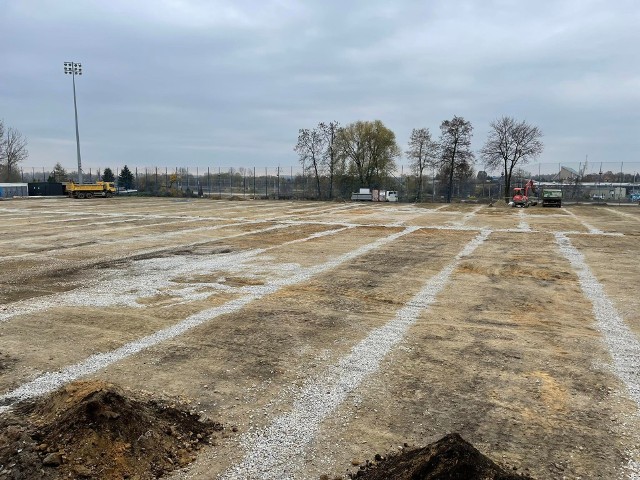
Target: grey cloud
229, 83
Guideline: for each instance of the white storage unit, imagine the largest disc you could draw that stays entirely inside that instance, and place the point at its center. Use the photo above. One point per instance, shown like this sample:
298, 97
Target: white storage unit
10, 190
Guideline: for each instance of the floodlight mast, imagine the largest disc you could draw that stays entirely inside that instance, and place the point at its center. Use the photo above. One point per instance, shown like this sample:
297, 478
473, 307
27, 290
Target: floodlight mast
73, 69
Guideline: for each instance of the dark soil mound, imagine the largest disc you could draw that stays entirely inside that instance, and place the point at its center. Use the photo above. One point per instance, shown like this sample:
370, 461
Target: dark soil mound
95, 430
450, 458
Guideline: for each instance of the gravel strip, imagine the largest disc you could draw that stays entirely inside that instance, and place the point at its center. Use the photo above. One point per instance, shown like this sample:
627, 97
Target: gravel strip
591, 228
49, 213
272, 452
466, 218
621, 342
623, 214
523, 225
146, 278
48, 382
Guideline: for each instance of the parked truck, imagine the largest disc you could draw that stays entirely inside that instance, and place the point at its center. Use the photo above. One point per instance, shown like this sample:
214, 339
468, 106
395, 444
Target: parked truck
90, 190
552, 197
368, 195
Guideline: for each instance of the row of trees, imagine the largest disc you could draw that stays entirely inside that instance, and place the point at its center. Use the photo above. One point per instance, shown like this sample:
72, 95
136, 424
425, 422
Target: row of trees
367, 150
125, 177
364, 152
13, 150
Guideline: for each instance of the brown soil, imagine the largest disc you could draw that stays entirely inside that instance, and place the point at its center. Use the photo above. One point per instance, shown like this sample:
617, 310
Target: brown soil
508, 355
5, 361
96, 430
450, 458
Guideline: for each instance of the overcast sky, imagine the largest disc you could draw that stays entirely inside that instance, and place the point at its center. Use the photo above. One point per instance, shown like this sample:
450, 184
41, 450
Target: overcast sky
215, 83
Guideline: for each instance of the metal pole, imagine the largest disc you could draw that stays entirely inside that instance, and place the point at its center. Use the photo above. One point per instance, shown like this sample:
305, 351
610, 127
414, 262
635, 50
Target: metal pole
74, 69
75, 109
621, 180
433, 186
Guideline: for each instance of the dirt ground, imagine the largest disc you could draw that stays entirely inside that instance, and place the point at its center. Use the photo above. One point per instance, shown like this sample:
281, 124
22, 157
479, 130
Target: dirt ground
322, 335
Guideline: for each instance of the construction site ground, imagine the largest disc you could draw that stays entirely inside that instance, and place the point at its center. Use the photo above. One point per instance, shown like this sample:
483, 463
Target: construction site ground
320, 334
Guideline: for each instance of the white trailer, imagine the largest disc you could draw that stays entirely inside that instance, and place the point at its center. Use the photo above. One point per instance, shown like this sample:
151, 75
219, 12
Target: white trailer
364, 194
11, 190
368, 195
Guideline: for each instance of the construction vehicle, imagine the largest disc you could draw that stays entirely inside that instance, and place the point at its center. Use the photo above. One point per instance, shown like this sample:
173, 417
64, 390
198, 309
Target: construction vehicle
552, 197
521, 195
90, 190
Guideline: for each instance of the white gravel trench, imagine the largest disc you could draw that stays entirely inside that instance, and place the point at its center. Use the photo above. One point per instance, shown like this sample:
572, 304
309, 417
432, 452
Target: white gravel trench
271, 453
48, 382
277, 450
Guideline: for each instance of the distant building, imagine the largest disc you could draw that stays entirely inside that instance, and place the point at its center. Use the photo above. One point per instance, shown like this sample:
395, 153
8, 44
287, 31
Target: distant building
567, 174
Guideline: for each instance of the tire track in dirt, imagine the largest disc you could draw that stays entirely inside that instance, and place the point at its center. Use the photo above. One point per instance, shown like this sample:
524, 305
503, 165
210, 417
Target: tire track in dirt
272, 452
48, 382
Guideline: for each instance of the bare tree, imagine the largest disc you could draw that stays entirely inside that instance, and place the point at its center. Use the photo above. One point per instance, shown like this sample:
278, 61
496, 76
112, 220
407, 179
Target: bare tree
456, 156
423, 153
331, 157
310, 148
371, 149
511, 143
13, 150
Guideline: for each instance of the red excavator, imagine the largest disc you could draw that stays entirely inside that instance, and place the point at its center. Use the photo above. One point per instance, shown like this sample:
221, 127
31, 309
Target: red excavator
521, 195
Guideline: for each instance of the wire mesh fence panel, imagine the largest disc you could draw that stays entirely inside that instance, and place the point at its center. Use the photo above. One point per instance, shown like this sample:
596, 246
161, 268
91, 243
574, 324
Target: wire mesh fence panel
579, 181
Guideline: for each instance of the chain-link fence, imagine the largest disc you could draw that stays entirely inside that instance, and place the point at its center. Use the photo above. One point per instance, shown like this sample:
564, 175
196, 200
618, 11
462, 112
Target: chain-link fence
579, 182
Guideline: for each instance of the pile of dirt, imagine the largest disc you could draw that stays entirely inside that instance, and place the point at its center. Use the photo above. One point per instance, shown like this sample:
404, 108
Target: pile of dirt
500, 203
96, 430
450, 458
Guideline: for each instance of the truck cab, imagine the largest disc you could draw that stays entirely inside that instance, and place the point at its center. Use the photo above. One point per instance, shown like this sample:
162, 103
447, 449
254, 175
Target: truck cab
552, 197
